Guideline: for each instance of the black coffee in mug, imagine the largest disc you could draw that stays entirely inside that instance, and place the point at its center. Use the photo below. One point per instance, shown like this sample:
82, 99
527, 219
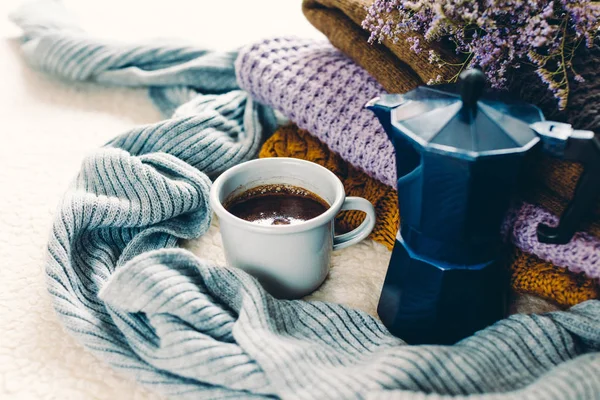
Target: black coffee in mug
276, 204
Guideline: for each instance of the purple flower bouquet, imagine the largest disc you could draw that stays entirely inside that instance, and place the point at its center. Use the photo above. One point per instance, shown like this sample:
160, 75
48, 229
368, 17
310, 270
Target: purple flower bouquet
498, 36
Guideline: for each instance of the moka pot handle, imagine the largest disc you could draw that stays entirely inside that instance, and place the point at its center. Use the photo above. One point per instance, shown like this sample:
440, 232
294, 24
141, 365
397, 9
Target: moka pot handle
562, 141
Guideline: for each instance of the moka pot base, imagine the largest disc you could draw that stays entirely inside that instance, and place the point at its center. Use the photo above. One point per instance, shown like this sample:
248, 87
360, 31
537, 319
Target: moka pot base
425, 301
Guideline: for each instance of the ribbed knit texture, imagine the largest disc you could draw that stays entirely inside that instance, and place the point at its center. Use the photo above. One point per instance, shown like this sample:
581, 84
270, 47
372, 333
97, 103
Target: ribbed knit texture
324, 92
190, 329
391, 63
175, 73
529, 274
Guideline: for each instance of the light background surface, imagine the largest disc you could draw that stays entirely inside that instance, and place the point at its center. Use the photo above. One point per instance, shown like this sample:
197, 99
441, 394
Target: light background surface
48, 126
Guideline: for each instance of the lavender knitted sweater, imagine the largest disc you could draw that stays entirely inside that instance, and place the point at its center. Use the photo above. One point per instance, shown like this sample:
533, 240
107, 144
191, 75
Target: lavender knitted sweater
324, 92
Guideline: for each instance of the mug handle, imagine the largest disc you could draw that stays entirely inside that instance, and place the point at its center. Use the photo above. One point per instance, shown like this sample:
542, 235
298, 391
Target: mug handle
363, 230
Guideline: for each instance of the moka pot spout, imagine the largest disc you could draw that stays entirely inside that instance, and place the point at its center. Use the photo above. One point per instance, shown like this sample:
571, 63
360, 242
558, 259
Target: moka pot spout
382, 107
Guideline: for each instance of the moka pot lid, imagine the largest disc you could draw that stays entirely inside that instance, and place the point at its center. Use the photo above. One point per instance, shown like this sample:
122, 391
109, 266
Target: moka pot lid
466, 120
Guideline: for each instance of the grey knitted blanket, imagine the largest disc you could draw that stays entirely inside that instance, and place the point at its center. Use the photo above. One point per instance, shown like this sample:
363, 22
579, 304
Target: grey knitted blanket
191, 329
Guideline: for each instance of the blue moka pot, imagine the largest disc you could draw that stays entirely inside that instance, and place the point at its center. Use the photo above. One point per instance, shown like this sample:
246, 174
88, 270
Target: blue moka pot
459, 151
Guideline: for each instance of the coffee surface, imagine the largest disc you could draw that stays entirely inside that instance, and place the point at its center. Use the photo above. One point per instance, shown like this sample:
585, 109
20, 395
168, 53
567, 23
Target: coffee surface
277, 205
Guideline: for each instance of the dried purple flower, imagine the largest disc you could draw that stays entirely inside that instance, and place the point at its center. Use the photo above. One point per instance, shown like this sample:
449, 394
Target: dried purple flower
497, 35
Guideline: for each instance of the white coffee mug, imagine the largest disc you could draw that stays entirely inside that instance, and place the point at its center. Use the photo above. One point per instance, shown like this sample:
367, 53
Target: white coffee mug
290, 261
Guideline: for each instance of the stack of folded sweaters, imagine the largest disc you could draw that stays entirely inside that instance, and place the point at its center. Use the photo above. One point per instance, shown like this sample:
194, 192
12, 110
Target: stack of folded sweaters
322, 88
